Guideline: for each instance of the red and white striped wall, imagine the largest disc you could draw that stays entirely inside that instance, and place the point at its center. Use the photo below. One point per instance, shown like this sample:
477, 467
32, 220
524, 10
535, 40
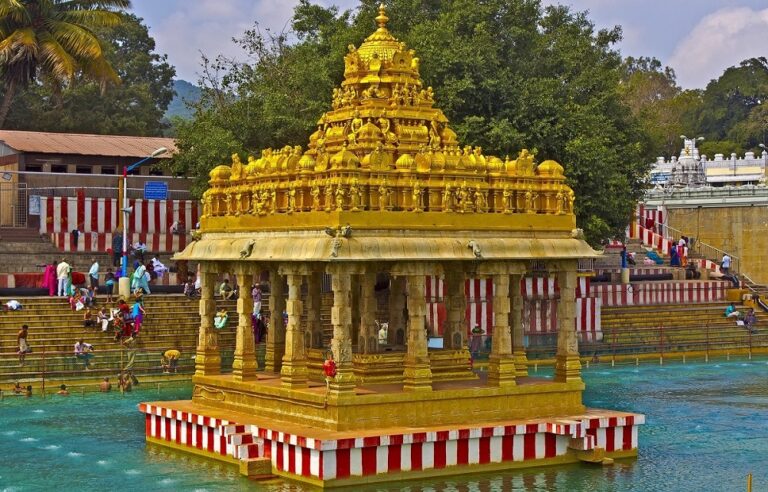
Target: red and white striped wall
539, 307
703, 264
479, 311
8, 280
64, 214
650, 238
99, 242
657, 214
338, 459
650, 293
588, 314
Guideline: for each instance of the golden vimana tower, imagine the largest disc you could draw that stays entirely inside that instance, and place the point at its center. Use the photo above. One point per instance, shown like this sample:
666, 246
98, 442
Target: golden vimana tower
383, 147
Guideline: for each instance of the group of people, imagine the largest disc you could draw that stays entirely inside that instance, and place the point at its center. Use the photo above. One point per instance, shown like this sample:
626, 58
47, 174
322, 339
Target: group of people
60, 280
678, 256
126, 319
748, 320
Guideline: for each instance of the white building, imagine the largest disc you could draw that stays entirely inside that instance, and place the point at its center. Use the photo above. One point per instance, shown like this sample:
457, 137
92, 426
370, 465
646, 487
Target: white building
693, 170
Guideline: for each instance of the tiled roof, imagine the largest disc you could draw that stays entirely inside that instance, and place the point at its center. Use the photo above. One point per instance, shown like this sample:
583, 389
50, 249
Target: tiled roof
84, 144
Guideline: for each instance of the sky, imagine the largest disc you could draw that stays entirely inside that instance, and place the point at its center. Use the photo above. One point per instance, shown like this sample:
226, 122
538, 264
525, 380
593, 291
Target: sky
697, 38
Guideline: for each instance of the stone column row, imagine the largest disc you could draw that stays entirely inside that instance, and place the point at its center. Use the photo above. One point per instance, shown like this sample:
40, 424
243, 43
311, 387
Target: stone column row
286, 351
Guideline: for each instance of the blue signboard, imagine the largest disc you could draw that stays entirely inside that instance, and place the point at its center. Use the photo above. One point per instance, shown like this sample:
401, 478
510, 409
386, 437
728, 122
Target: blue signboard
155, 190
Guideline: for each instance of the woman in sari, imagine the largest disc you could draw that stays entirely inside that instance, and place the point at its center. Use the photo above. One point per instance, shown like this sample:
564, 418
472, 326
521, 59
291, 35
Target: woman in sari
49, 279
139, 279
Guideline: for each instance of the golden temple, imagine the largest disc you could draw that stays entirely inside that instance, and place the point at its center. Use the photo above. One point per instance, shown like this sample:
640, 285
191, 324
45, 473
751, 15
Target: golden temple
384, 195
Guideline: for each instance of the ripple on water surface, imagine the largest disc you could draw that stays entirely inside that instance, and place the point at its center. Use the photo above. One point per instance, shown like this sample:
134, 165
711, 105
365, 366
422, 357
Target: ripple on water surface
701, 430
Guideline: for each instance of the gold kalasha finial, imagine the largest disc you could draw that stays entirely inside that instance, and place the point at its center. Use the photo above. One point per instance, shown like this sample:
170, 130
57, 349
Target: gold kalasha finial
382, 18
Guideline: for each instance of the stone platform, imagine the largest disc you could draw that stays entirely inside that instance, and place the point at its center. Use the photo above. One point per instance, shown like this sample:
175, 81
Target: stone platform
386, 434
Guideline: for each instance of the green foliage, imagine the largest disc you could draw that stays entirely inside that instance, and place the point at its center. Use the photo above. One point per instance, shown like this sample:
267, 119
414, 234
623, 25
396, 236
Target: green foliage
53, 41
508, 74
733, 108
135, 106
198, 141
725, 147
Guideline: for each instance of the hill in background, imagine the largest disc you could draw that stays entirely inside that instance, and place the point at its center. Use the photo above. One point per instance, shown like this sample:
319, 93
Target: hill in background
185, 93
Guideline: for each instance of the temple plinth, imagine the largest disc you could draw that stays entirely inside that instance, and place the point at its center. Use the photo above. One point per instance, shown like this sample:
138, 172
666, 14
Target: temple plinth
350, 231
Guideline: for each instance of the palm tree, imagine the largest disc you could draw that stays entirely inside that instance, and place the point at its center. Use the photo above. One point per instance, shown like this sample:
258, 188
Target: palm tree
52, 40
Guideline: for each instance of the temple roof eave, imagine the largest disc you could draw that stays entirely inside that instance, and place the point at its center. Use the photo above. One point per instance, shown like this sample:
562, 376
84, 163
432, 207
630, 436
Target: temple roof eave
323, 248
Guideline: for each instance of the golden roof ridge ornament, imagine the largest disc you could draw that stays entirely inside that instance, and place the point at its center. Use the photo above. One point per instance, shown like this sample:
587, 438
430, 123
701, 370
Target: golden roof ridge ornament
383, 147
382, 18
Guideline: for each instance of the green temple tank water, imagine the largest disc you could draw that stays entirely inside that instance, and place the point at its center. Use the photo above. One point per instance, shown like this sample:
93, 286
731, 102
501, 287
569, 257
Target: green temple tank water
706, 430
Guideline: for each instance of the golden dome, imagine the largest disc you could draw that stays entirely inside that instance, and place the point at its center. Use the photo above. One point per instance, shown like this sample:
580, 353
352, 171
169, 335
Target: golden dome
381, 44
307, 163
220, 173
405, 162
344, 159
510, 167
550, 168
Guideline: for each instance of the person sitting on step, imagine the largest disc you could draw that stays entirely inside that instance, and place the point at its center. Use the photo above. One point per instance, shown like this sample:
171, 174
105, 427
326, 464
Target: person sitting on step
226, 291
731, 312
750, 320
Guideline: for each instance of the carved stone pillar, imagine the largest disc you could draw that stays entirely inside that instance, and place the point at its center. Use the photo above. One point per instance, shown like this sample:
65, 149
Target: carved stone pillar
244, 364
276, 333
367, 340
455, 331
501, 365
341, 344
314, 301
417, 375
355, 304
293, 372
516, 295
567, 363
397, 322
207, 357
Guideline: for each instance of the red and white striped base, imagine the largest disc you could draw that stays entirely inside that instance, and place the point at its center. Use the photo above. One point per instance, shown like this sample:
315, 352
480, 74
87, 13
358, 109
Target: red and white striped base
451, 449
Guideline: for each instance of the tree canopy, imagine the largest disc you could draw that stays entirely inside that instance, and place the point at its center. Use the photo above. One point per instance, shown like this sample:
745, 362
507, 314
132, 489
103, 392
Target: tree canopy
53, 40
731, 113
135, 106
508, 74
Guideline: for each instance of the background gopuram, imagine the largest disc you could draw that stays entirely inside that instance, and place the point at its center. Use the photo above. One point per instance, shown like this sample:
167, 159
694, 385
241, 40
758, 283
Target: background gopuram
385, 196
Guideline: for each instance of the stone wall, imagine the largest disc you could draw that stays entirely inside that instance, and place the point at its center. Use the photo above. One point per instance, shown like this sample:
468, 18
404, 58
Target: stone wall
740, 230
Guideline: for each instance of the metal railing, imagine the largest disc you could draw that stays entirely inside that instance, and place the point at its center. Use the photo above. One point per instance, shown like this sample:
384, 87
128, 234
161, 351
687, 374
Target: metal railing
706, 250
13, 204
102, 192
662, 341
586, 265
47, 364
